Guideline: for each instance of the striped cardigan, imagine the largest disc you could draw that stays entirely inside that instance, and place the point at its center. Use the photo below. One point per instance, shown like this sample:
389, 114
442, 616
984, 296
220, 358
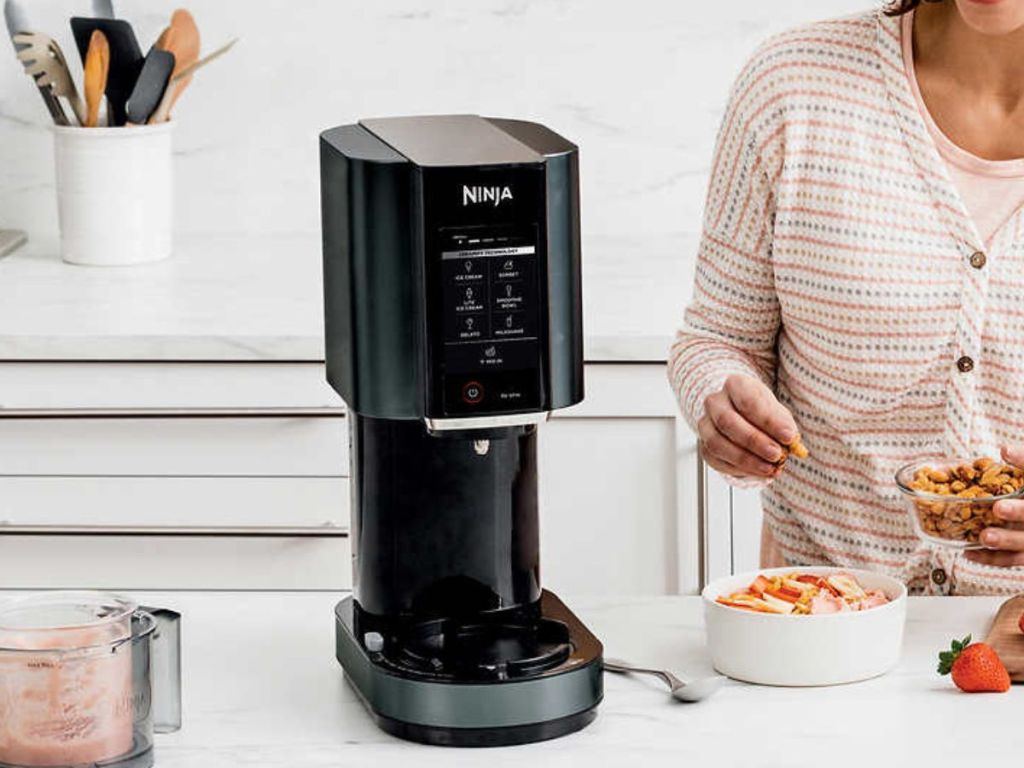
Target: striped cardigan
835, 265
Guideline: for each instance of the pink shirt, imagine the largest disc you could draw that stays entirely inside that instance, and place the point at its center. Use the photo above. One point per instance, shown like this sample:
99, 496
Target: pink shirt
992, 190
840, 264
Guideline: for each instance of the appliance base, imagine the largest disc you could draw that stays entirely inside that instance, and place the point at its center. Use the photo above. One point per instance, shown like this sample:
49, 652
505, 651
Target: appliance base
477, 713
486, 737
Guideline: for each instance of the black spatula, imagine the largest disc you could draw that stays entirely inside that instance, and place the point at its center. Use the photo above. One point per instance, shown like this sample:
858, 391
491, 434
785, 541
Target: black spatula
125, 59
149, 88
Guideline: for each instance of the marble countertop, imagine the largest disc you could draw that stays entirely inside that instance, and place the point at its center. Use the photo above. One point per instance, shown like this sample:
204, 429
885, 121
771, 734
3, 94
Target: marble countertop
245, 298
262, 688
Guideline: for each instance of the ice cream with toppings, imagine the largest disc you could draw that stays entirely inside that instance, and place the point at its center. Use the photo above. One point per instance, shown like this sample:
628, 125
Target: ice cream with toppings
805, 594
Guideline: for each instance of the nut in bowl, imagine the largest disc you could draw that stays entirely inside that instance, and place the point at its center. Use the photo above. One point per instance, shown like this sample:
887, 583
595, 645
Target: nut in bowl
787, 649
951, 501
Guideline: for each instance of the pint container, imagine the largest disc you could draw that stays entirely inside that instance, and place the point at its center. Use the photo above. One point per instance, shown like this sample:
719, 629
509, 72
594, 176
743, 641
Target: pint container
86, 678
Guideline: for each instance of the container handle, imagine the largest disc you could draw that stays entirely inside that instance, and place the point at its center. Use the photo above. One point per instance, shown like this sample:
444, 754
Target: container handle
165, 663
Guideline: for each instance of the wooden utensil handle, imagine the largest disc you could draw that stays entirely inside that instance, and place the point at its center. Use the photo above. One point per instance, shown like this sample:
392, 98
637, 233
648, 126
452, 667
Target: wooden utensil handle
203, 61
178, 82
97, 66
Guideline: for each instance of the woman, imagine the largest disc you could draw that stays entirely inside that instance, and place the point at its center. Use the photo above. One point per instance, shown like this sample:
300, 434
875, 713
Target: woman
860, 278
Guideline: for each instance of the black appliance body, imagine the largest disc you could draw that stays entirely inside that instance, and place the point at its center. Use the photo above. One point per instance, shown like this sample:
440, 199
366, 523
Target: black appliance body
453, 327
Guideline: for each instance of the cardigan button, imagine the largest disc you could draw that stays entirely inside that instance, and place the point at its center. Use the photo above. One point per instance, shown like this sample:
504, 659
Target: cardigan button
978, 259
965, 364
939, 577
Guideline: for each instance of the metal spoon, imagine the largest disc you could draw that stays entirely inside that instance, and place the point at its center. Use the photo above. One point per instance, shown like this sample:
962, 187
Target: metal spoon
695, 690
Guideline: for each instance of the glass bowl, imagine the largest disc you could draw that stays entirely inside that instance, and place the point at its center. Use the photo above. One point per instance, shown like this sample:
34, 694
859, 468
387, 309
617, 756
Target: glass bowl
950, 500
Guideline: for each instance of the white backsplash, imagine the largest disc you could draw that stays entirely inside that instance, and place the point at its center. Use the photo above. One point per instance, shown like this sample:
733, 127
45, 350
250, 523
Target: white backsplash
639, 85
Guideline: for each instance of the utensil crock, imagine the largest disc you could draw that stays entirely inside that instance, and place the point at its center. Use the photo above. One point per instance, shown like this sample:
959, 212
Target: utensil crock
115, 193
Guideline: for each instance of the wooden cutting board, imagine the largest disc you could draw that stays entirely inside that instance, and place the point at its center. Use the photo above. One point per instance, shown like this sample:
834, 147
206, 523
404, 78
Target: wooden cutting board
1007, 639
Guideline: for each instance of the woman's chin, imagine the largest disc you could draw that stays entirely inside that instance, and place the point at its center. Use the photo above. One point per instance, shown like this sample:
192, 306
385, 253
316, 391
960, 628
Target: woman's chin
992, 17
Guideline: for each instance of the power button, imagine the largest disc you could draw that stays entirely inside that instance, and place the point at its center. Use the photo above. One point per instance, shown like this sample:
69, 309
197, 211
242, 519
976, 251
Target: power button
472, 392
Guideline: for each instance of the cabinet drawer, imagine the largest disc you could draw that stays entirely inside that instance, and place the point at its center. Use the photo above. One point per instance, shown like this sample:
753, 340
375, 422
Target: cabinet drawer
158, 563
199, 419
300, 446
180, 386
179, 502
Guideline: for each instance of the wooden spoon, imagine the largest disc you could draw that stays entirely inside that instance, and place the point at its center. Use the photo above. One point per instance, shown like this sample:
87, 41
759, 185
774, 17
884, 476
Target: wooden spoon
180, 38
97, 65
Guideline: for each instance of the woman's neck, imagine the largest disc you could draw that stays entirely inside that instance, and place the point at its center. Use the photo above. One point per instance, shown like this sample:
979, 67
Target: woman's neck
986, 65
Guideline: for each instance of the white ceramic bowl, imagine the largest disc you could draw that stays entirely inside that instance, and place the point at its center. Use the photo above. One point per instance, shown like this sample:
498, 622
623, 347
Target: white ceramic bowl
828, 649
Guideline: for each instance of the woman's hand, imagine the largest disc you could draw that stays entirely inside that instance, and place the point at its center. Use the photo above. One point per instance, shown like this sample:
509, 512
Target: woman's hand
744, 429
1005, 546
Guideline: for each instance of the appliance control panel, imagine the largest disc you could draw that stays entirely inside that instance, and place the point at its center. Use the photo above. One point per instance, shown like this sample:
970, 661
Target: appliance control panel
485, 269
490, 310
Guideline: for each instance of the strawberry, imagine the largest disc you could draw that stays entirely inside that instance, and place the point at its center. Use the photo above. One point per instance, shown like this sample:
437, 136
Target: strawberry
976, 667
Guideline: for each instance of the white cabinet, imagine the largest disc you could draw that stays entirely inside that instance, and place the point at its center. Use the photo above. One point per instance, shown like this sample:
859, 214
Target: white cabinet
135, 475
746, 530
617, 514
731, 520
235, 476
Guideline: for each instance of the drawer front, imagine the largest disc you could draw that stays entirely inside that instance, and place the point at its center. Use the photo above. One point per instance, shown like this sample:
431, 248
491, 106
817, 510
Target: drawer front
164, 562
308, 446
178, 386
257, 503
170, 419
